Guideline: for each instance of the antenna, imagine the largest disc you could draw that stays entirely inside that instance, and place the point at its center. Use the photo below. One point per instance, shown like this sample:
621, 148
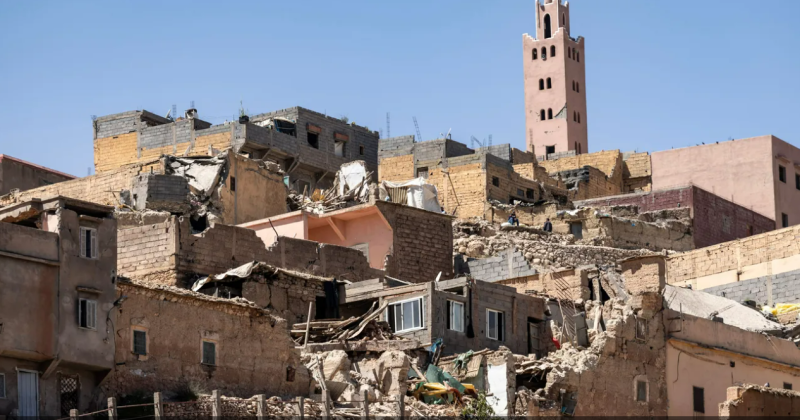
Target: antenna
416, 126
490, 140
380, 132
448, 134
192, 104
94, 117
475, 141
388, 127
174, 111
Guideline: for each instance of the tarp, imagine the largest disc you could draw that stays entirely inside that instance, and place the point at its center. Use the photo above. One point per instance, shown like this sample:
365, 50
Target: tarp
498, 387
420, 194
351, 176
241, 272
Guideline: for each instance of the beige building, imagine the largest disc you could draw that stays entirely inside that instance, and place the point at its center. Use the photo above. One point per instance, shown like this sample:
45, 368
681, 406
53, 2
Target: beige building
760, 173
58, 260
555, 84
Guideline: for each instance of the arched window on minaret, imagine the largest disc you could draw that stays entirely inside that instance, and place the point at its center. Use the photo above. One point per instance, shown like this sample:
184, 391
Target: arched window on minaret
578, 56
544, 53
553, 51
549, 113
569, 53
573, 53
563, 19
541, 84
575, 116
549, 83
534, 54
578, 87
547, 31
541, 115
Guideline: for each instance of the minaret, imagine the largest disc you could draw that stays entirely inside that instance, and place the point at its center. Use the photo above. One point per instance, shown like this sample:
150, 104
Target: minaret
555, 84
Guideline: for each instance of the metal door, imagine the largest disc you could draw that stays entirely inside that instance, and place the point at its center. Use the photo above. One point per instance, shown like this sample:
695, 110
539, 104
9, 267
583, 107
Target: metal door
28, 393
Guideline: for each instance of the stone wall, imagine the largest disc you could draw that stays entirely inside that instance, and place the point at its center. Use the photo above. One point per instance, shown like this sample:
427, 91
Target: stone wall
734, 255
254, 352
758, 401
287, 294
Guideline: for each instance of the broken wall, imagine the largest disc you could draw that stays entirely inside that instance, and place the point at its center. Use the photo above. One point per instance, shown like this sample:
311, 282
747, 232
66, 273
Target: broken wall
258, 192
285, 294
254, 353
758, 401
18, 174
637, 172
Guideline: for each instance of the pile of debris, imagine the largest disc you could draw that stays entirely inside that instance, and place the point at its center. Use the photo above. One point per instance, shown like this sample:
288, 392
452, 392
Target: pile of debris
351, 186
355, 328
544, 251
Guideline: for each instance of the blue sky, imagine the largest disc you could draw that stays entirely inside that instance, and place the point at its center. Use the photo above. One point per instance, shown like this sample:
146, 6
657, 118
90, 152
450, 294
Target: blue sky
659, 74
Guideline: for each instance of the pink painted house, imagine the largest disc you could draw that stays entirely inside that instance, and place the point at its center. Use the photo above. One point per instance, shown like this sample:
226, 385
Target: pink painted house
759, 173
410, 244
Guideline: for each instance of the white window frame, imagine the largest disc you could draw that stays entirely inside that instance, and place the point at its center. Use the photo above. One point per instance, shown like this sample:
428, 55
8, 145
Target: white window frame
92, 244
203, 350
452, 304
91, 322
391, 305
501, 335
3, 383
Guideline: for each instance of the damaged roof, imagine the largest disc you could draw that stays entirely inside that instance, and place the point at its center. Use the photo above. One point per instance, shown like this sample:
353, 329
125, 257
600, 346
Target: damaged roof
704, 305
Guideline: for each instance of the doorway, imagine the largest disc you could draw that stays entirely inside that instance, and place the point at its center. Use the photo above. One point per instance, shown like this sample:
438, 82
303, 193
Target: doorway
28, 392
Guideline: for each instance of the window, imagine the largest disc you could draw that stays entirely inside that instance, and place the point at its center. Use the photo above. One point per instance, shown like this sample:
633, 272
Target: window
233, 184
88, 242
455, 316
577, 87
573, 53
139, 342
547, 30
784, 220
529, 193
361, 150
698, 399
563, 19
2, 385
544, 53
541, 84
541, 115
87, 314
641, 328
520, 193
569, 52
549, 83
495, 181
495, 325
641, 391
797, 181
69, 389
534, 54
749, 230
574, 116
552, 51
579, 118
578, 56
576, 229
549, 113
313, 140
422, 172
339, 148
573, 85
787, 385
550, 150
209, 353
580, 149
406, 315
782, 173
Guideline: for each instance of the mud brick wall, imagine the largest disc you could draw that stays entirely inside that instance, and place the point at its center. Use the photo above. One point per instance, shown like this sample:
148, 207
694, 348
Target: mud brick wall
649, 201
757, 401
253, 349
422, 245
462, 189
400, 168
286, 295
733, 255
607, 162
636, 165
99, 189
512, 185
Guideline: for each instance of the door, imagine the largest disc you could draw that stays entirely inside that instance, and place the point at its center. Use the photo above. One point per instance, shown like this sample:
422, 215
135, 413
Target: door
28, 393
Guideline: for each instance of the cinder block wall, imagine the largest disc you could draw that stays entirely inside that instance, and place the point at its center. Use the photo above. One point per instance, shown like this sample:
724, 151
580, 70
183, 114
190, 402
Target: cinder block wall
734, 255
506, 265
782, 287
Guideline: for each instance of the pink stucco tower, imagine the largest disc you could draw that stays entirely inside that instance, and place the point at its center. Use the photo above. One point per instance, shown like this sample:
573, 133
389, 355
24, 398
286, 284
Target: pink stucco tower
555, 83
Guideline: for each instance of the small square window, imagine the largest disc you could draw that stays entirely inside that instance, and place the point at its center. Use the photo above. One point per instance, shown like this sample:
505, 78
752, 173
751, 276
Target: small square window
698, 399
233, 184
787, 385
782, 173
209, 353
140, 342
495, 181
406, 315
784, 220
641, 391
340, 148
550, 150
361, 150
88, 242
87, 314
529, 193
455, 316
520, 193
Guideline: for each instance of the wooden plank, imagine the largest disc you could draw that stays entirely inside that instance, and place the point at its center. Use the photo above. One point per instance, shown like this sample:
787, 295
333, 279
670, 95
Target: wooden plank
364, 346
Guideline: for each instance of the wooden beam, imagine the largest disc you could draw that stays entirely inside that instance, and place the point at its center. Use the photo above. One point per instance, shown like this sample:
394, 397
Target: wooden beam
335, 228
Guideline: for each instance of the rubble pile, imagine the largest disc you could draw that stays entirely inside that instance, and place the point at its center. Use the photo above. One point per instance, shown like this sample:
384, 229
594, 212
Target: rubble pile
355, 328
351, 186
545, 251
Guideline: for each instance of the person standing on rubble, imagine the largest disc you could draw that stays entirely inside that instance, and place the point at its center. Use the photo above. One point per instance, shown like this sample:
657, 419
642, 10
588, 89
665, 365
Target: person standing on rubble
548, 227
512, 220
